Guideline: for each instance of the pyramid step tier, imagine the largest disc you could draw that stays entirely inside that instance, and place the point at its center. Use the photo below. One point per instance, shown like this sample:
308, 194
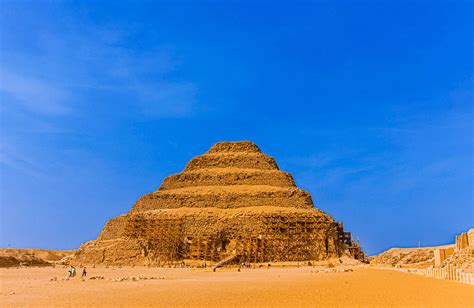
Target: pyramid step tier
201, 220
228, 176
242, 160
235, 196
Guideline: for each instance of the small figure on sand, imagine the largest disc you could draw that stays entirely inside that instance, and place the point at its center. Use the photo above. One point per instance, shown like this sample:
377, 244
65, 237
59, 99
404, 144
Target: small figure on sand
84, 272
72, 271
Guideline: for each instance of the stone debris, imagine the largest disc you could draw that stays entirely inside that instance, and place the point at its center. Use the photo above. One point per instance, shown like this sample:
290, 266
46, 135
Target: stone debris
135, 278
119, 279
333, 270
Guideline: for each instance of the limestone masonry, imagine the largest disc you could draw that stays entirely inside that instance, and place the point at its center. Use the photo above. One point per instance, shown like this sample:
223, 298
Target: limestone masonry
231, 204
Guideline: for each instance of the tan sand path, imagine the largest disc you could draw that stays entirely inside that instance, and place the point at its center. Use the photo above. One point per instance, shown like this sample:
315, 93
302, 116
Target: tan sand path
282, 287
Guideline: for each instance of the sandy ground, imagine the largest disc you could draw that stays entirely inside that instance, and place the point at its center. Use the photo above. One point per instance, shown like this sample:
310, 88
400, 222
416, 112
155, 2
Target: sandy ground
364, 287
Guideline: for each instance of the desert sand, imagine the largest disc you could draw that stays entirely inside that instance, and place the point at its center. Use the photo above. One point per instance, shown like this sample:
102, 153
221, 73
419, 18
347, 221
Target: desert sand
282, 287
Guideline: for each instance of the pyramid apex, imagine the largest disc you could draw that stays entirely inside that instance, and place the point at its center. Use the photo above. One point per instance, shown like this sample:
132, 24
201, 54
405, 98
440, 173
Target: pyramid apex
235, 146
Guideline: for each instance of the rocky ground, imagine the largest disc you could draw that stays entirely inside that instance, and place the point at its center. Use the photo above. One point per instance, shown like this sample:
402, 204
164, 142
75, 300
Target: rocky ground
462, 259
407, 257
420, 258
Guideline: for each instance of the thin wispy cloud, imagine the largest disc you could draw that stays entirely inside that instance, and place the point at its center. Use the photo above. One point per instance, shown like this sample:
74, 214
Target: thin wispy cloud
167, 99
311, 161
73, 72
15, 159
34, 94
73, 64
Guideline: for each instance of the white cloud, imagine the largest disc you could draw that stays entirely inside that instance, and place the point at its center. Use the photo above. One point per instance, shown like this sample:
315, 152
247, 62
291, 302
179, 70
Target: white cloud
167, 99
76, 62
34, 94
13, 158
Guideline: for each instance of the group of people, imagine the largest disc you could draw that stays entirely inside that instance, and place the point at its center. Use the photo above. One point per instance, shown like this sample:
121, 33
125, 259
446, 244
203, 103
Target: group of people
72, 271
249, 265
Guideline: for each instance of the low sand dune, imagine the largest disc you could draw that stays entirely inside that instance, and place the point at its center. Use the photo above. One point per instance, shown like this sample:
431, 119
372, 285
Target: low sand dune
282, 287
12, 257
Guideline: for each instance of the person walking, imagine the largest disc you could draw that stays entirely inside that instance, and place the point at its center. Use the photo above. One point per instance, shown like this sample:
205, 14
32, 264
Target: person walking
84, 272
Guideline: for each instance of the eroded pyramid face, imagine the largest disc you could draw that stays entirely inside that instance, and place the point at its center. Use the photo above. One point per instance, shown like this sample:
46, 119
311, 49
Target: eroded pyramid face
232, 201
229, 175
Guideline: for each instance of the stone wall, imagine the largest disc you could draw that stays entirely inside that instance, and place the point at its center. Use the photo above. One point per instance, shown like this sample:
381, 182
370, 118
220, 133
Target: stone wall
442, 254
462, 241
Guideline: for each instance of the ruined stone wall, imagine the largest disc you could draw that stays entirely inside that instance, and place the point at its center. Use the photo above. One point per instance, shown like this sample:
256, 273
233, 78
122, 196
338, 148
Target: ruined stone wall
462, 241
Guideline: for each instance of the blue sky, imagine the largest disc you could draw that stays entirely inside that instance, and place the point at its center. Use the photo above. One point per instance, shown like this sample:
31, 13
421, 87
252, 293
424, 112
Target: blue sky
367, 103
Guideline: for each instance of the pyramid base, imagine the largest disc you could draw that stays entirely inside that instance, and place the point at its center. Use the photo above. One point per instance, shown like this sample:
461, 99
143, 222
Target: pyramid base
247, 235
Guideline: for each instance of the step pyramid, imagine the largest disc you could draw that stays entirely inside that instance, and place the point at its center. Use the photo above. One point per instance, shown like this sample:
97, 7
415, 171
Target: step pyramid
231, 201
